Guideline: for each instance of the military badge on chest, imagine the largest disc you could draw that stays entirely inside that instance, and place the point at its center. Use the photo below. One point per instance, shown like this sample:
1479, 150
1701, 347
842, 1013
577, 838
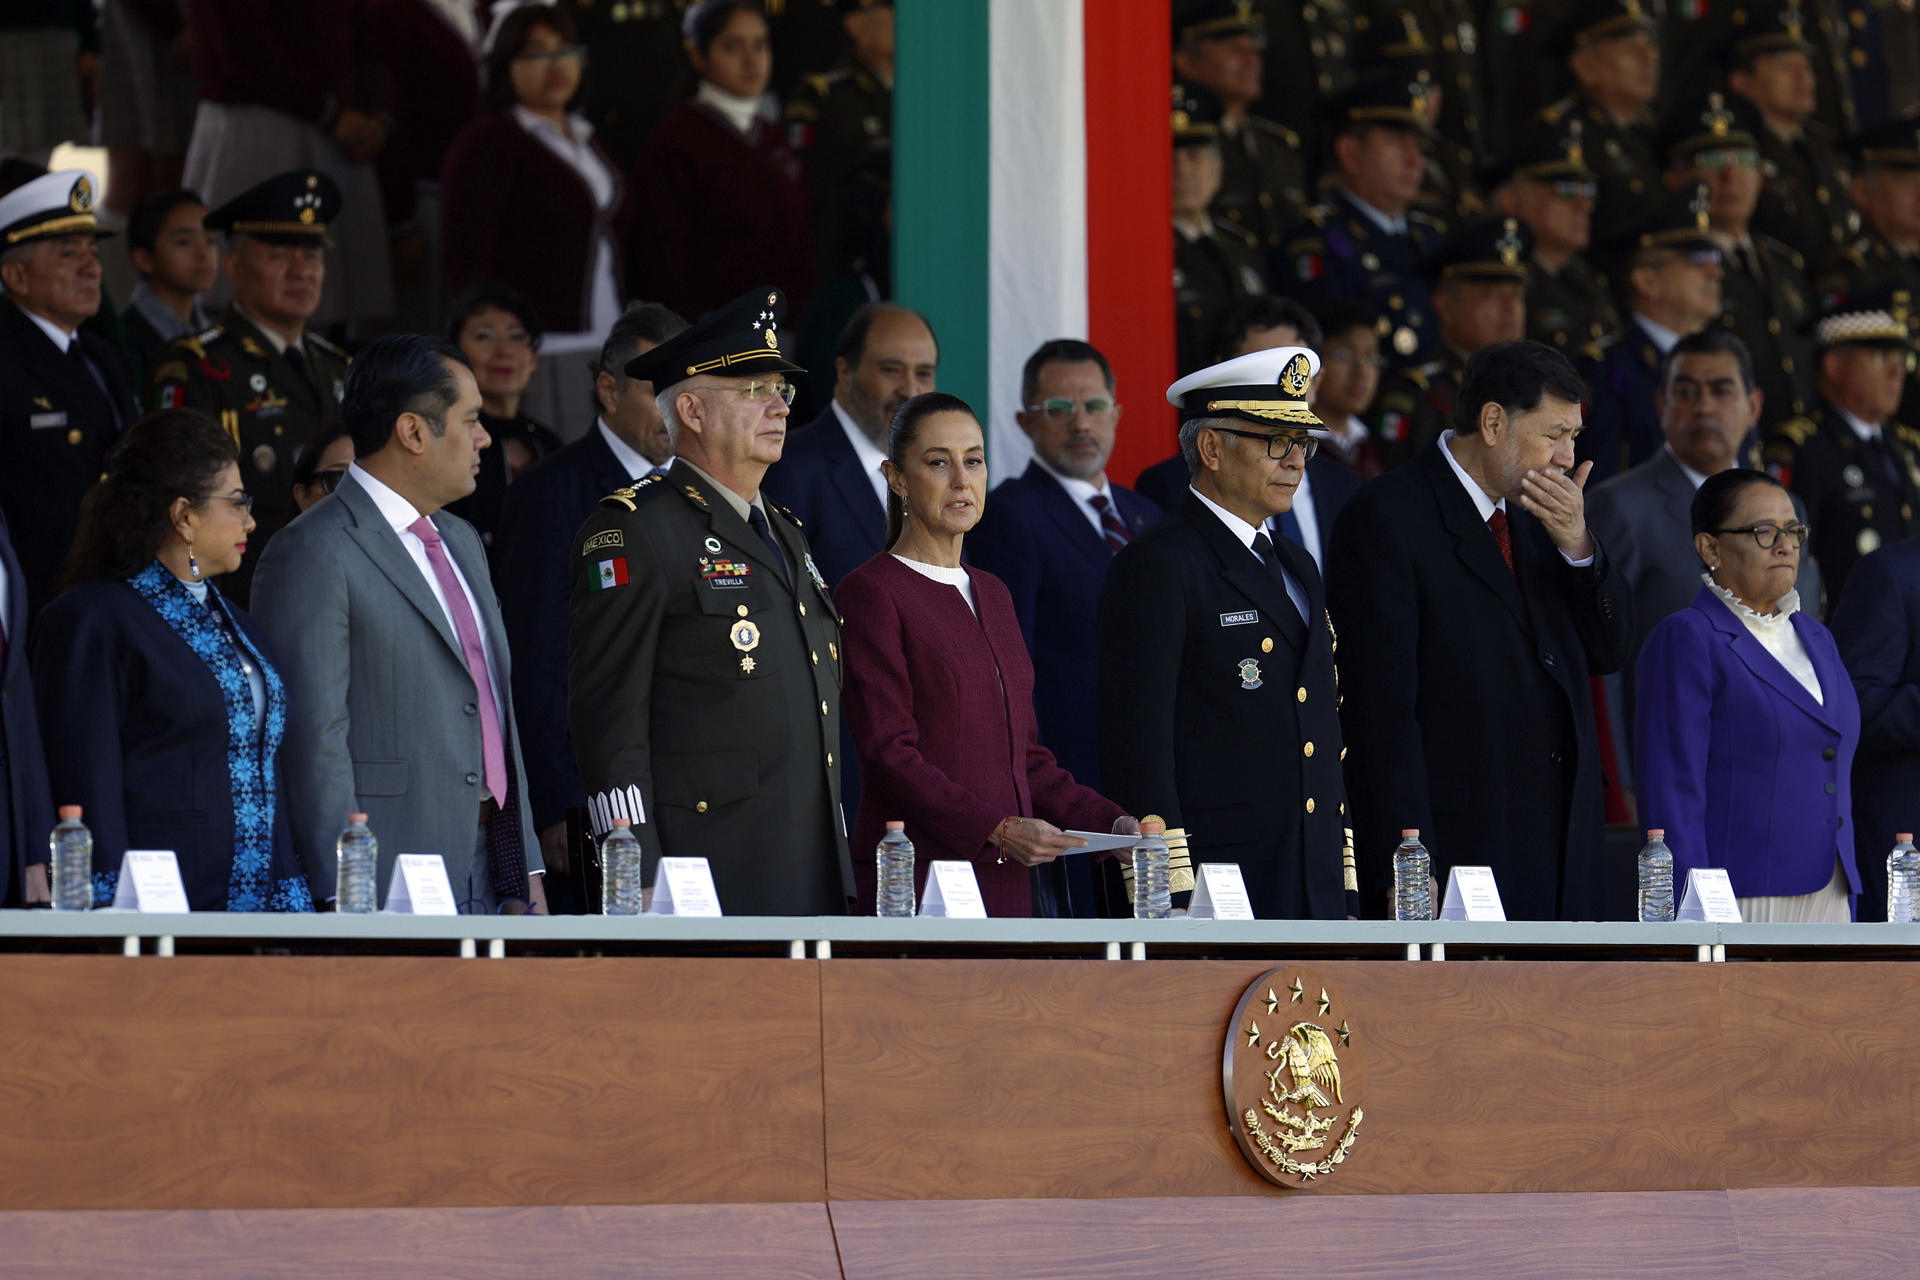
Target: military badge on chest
724, 575
746, 638
1250, 673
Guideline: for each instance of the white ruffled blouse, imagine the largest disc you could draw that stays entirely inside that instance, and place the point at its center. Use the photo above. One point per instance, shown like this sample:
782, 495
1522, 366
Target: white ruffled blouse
1775, 633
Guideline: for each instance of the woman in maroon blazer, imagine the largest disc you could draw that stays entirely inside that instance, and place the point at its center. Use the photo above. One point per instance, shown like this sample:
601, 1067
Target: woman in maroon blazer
722, 200
531, 199
939, 687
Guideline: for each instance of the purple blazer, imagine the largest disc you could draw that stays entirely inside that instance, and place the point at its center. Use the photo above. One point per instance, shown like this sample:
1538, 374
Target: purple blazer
941, 707
1739, 764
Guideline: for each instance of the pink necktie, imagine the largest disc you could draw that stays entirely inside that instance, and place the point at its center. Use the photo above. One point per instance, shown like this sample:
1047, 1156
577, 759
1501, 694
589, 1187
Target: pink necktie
491, 748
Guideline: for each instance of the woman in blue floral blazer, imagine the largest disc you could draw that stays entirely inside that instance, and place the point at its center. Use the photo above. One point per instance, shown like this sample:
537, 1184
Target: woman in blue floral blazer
162, 709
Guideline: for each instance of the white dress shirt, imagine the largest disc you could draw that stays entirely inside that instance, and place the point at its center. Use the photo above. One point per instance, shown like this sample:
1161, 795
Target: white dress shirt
1246, 533
864, 449
1867, 431
1484, 504
400, 514
1663, 337
630, 459
60, 337
574, 147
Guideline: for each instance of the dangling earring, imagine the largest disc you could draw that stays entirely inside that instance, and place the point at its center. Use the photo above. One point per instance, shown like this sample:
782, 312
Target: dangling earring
193, 566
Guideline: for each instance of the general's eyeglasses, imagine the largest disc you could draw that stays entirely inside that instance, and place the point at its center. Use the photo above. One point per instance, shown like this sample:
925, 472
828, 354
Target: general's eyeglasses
1767, 535
1307, 445
757, 390
1061, 409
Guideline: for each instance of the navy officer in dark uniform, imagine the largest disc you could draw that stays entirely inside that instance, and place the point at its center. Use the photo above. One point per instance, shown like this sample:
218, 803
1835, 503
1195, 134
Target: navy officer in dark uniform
259, 372
1850, 459
1366, 240
1217, 697
703, 683
65, 394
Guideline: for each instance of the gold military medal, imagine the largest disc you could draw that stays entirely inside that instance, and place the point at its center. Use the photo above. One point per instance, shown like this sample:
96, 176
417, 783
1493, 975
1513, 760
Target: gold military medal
746, 638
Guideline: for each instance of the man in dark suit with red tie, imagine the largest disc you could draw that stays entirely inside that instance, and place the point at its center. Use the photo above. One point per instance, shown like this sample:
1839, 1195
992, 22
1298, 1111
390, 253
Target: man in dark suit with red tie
1049, 534
1217, 694
1474, 603
26, 806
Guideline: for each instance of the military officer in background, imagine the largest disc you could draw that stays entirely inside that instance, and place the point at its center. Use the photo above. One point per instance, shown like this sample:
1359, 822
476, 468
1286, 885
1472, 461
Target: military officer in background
1609, 47
1309, 60
65, 394
1439, 38
1547, 185
1853, 463
1771, 63
1218, 45
703, 685
642, 39
1216, 696
840, 121
1217, 264
1886, 188
1479, 280
273, 384
1366, 240
1710, 138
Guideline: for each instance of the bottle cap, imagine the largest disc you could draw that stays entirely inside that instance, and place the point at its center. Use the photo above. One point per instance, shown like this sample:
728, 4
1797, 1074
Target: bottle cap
1151, 826
1409, 833
1656, 833
621, 824
896, 826
356, 817
1904, 835
73, 811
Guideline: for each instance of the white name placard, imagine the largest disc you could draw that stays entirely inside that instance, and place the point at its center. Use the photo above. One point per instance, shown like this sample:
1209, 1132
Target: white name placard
1472, 895
952, 892
150, 881
684, 887
1220, 894
1709, 897
419, 887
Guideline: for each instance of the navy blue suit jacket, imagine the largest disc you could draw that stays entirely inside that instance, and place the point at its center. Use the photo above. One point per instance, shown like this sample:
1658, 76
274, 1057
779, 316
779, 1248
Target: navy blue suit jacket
1035, 538
819, 478
544, 509
1333, 484
26, 805
1876, 625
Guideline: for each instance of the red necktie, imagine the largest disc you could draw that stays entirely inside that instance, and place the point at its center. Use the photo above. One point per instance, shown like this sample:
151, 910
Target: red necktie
1497, 522
1110, 526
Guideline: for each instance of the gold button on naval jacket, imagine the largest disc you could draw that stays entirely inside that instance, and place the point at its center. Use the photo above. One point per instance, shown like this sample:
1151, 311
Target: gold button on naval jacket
74, 435
1307, 751
1309, 804
1300, 694
700, 806
1266, 645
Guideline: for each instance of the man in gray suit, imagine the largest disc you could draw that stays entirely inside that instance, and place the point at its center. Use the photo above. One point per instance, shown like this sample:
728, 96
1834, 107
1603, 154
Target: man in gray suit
1708, 408
391, 640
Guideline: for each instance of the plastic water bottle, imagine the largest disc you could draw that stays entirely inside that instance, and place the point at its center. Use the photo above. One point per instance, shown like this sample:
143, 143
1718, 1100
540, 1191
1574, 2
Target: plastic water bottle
1656, 879
1412, 878
620, 871
71, 847
1151, 898
893, 873
356, 885
1903, 881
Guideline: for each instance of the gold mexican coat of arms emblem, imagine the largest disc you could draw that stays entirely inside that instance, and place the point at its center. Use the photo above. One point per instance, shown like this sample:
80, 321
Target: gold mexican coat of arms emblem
1294, 1075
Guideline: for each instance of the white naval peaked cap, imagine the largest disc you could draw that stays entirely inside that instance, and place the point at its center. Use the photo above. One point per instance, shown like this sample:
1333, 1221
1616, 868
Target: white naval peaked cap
1262, 386
53, 204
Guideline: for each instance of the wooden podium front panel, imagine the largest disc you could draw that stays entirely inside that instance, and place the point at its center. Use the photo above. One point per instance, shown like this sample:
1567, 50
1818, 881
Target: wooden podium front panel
271, 1082
1010, 1079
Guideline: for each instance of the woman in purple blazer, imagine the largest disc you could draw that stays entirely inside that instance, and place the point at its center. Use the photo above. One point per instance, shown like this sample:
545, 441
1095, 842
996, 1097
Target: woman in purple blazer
939, 687
1747, 722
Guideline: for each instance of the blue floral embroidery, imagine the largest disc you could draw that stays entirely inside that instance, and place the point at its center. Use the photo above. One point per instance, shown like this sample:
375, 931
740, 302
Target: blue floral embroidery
252, 756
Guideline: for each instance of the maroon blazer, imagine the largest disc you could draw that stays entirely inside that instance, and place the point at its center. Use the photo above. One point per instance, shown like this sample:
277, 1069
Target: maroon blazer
718, 213
519, 214
942, 747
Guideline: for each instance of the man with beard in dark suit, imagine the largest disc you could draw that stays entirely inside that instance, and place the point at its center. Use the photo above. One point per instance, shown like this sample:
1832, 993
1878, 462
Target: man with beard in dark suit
1475, 604
1217, 698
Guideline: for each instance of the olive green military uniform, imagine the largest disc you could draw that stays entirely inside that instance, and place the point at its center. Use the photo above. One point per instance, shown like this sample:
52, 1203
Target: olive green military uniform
1622, 158
1263, 179
1764, 293
1416, 404
1859, 496
1572, 309
1212, 274
233, 373
1810, 206
703, 693
839, 121
1309, 60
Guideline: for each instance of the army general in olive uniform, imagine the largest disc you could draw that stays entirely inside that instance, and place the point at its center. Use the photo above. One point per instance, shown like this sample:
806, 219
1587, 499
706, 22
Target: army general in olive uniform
269, 382
1849, 459
703, 684
1610, 50
1546, 183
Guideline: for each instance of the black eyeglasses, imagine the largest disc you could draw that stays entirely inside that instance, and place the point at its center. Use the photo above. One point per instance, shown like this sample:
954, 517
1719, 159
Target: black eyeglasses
1767, 535
1307, 445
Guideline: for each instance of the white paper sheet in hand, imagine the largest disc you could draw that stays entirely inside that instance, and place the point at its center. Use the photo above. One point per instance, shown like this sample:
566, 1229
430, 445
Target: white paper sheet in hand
1100, 841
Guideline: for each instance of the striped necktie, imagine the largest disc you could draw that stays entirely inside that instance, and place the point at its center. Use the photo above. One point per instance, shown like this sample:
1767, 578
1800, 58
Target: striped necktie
1110, 526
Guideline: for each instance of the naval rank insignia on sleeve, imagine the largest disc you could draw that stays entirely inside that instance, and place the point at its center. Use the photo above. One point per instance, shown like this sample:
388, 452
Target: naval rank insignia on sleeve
1295, 1076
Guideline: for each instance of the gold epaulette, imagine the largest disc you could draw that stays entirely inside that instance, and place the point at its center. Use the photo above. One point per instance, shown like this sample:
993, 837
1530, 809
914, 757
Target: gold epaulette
620, 498
788, 514
1349, 873
1798, 430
